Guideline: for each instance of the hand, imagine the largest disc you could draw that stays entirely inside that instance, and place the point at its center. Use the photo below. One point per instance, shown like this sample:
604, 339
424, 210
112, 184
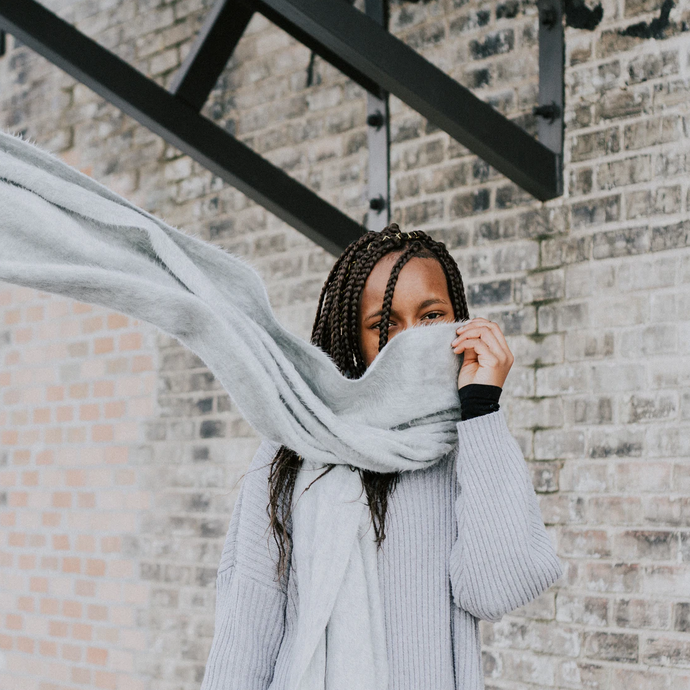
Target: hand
487, 357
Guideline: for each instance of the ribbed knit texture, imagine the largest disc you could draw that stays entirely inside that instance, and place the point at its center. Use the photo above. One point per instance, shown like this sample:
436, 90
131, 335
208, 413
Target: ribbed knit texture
465, 541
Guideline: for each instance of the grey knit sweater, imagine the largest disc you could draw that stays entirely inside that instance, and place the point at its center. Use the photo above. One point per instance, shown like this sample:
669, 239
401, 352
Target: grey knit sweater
465, 541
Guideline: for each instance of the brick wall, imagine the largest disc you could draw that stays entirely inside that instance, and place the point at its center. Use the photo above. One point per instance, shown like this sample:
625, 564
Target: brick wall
121, 456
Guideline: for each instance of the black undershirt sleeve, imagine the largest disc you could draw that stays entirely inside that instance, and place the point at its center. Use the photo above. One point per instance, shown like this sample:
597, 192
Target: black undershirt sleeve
477, 399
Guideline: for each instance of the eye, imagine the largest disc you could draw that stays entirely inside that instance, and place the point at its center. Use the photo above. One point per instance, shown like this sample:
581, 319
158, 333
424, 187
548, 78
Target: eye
433, 313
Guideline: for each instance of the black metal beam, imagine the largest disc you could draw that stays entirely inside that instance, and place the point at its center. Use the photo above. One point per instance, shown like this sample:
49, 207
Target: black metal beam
378, 140
178, 123
312, 40
551, 75
359, 42
210, 52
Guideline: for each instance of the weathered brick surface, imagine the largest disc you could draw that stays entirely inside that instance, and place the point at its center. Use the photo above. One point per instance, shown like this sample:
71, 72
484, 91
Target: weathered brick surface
120, 455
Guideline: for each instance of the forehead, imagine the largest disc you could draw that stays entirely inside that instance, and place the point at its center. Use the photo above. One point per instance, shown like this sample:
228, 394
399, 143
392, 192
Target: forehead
417, 277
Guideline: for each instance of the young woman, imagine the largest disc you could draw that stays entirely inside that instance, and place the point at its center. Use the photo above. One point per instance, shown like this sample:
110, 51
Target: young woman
457, 542
457, 531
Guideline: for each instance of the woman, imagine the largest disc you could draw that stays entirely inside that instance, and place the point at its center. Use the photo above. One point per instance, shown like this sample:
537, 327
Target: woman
457, 542
457, 539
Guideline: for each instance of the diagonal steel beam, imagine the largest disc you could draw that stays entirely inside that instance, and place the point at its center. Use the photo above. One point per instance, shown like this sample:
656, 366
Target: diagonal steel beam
178, 123
338, 29
210, 52
216, 41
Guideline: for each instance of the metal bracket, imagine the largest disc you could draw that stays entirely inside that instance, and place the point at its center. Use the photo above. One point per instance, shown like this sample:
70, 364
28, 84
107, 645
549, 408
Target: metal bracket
354, 43
378, 139
551, 76
210, 52
178, 123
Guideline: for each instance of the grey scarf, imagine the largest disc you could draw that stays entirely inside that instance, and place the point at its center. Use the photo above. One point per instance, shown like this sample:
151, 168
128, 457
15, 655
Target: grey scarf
63, 232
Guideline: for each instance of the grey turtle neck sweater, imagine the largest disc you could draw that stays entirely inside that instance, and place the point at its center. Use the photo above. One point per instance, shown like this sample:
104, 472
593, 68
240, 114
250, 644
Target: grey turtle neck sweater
465, 541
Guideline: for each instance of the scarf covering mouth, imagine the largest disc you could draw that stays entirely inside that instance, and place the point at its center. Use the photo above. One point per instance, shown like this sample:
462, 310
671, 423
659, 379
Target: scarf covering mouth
63, 232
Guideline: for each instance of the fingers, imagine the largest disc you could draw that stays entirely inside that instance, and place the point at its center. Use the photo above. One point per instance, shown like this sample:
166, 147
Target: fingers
481, 349
490, 333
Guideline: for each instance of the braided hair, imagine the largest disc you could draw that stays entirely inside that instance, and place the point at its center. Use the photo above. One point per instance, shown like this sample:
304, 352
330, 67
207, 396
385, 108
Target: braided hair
336, 331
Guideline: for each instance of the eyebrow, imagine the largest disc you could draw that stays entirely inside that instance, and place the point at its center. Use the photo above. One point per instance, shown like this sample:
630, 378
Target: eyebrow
423, 305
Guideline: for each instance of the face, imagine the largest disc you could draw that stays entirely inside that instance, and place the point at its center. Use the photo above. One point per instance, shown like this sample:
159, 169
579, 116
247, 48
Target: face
420, 295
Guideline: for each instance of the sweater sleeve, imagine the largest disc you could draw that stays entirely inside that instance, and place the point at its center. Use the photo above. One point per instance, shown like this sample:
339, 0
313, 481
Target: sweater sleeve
502, 557
250, 603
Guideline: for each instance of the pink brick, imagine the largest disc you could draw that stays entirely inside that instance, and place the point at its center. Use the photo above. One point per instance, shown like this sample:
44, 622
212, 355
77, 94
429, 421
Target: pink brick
23, 335
13, 621
18, 499
111, 544
103, 389
21, 457
74, 478
96, 612
105, 680
9, 437
97, 655
85, 588
58, 629
35, 313
12, 317
116, 454
61, 542
103, 345
51, 519
117, 321
30, 478
44, 457
95, 567
92, 325
53, 435
120, 569
72, 652
26, 561
115, 410
19, 417
86, 499
12, 358
81, 308
16, 539
142, 363
72, 609
25, 645
78, 390
76, 434
55, 393
89, 412
62, 499
102, 432
130, 341
82, 631
42, 415
81, 676
71, 564
47, 648
26, 604
85, 542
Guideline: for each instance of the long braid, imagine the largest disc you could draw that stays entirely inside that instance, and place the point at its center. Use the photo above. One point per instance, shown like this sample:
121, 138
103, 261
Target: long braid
336, 331
390, 289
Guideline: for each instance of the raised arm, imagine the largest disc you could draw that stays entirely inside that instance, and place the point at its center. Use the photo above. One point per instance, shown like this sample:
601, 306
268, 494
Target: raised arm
502, 557
250, 605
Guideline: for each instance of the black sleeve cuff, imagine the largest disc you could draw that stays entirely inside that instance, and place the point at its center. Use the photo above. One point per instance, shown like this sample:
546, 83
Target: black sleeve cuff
477, 399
